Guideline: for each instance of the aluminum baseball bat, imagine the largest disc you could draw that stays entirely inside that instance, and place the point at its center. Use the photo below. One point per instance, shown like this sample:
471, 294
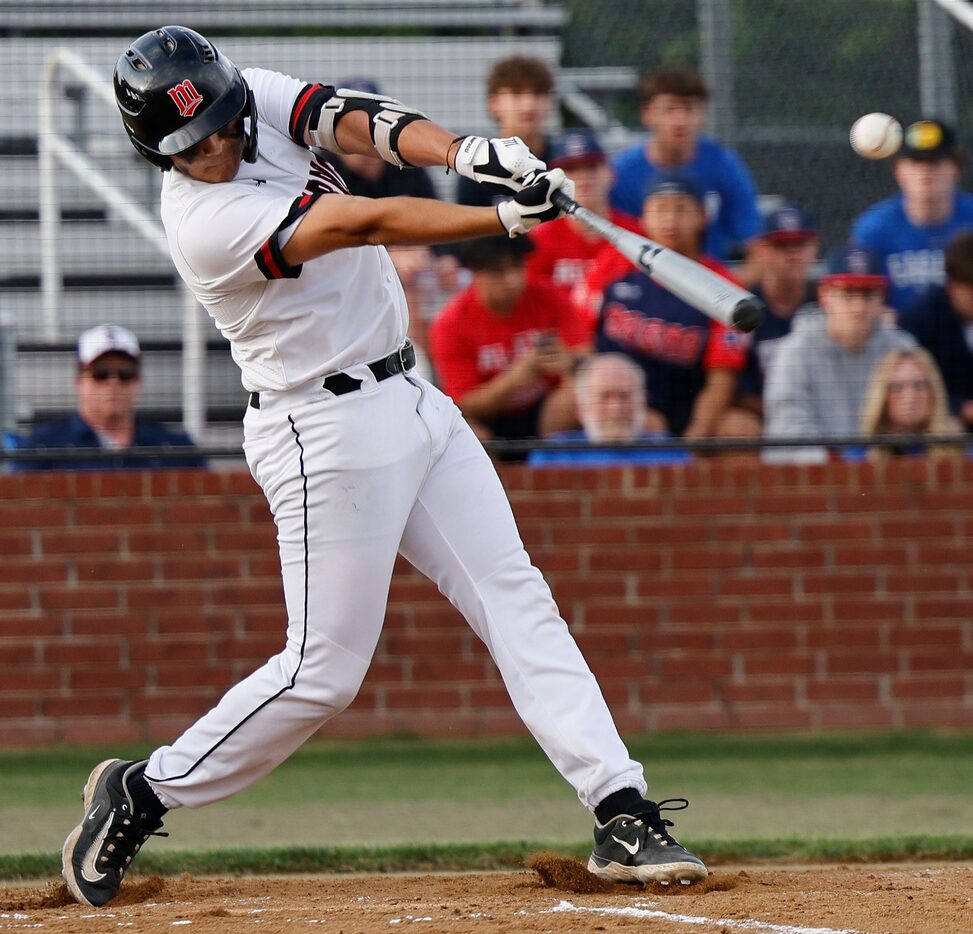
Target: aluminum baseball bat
694, 284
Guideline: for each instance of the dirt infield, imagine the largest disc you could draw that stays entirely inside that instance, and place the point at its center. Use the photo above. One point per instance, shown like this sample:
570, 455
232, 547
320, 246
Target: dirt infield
555, 895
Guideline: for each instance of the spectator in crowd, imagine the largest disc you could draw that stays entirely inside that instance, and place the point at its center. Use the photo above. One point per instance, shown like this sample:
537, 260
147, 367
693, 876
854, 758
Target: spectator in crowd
910, 230
504, 347
673, 109
565, 248
609, 390
690, 362
941, 319
520, 94
817, 382
783, 254
906, 396
107, 385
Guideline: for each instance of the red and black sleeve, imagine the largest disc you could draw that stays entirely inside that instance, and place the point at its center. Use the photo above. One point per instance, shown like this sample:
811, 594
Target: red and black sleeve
268, 258
307, 109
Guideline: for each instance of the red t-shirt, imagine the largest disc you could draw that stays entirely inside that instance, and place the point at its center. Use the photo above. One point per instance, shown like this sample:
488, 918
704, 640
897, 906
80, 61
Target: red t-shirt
562, 254
469, 344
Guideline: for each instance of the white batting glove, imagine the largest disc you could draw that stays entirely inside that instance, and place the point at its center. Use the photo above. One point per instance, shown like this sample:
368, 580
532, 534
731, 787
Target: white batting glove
500, 161
532, 205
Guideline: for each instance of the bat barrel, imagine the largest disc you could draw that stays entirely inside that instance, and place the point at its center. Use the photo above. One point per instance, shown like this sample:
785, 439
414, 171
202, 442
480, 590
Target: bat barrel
694, 284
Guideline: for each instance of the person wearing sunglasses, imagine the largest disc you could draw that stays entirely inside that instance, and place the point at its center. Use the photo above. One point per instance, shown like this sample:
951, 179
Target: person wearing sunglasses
107, 385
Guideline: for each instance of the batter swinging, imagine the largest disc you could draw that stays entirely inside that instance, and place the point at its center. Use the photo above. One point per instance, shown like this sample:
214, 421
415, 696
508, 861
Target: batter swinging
358, 457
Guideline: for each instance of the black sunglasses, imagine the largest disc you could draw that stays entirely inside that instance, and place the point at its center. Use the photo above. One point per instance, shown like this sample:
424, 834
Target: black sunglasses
101, 374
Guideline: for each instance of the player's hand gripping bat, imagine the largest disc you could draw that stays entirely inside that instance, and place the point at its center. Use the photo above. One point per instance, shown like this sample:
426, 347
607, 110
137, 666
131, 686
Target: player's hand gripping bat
694, 284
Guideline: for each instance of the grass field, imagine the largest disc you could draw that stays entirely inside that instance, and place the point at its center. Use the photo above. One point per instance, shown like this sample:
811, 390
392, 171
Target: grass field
402, 803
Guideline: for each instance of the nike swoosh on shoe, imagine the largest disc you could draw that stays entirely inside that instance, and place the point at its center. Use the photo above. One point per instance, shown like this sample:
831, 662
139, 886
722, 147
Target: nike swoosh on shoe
88, 871
633, 848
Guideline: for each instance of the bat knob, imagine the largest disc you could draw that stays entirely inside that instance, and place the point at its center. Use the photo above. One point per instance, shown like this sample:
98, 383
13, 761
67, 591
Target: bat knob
747, 315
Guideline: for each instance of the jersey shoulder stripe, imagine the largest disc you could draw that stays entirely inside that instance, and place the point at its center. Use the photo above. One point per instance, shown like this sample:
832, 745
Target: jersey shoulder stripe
307, 107
269, 258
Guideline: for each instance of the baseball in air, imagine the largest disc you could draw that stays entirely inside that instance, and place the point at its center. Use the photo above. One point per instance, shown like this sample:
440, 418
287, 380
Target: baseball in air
876, 136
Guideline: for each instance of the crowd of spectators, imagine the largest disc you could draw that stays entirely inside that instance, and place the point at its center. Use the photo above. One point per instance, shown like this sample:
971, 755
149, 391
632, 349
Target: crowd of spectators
556, 337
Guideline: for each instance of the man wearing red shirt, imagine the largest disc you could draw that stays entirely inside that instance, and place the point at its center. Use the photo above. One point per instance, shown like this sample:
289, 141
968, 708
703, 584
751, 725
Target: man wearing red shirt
503, 348
564, 253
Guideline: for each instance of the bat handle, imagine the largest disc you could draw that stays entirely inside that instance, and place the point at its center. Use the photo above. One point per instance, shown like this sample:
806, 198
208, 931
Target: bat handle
562, 201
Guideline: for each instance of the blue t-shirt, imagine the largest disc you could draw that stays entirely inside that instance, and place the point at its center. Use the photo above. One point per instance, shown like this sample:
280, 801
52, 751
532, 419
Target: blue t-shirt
605, 457
731, 196
933, 323
913, 255
74, 432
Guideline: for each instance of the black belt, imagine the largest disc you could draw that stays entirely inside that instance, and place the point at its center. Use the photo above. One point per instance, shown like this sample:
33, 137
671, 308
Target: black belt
401, 361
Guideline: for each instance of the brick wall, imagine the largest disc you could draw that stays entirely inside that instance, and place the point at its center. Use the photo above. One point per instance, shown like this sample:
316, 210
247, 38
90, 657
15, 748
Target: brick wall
716, 595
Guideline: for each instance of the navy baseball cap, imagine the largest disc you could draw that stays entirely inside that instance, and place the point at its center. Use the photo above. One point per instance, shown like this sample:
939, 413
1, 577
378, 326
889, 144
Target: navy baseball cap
360, 84
575, 147
854, 267
676, 184
789, 223
929, 141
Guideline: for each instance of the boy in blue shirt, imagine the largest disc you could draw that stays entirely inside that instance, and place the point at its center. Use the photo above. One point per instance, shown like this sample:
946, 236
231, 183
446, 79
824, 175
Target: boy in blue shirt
910, 230
673, 108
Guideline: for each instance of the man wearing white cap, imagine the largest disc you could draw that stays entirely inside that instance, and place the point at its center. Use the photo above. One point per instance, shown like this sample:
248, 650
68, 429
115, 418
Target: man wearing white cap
107, 385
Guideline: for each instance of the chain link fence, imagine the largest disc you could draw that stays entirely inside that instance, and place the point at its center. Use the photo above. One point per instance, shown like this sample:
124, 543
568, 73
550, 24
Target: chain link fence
788, 77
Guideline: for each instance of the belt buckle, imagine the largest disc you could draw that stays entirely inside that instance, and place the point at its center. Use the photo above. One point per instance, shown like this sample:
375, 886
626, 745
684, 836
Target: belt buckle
401, 360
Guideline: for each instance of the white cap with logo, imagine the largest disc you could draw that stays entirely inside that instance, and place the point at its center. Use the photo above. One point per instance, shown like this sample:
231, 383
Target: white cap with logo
107, 338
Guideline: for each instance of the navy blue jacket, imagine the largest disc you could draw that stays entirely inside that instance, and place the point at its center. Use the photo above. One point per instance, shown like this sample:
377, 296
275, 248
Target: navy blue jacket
930, 319
74, 432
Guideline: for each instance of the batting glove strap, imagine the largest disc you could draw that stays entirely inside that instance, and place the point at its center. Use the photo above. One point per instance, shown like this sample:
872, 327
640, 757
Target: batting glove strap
532, 205
505, 162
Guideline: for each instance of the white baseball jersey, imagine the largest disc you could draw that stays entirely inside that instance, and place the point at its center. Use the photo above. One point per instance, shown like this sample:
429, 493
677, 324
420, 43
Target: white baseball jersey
353, 479
285, 326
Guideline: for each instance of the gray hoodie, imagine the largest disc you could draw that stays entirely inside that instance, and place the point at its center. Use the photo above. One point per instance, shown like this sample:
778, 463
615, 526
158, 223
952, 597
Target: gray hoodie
815, 386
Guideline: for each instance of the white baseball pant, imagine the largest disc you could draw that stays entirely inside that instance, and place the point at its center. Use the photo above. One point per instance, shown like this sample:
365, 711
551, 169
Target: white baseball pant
352, 480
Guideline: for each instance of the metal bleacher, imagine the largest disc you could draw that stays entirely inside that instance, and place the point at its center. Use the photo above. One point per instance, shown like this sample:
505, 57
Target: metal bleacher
112, 274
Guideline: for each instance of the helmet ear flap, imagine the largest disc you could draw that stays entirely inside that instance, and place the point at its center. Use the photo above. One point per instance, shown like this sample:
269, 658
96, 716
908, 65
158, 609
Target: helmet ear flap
250, 150
163, 162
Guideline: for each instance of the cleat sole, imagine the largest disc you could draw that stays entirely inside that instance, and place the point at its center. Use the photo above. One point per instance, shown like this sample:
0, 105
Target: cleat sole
685, 873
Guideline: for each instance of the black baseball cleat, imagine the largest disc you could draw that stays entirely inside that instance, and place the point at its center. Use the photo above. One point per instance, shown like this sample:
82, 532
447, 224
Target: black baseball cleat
98, 851
637, 847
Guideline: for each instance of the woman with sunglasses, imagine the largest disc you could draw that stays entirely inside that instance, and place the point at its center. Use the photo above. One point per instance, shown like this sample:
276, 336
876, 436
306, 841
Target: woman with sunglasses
106, 384
906, 397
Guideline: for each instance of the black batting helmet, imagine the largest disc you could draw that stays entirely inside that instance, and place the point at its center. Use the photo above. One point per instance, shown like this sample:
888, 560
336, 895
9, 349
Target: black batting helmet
174, 88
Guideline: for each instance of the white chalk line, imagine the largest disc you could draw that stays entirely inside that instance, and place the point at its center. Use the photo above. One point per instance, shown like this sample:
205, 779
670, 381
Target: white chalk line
748, 924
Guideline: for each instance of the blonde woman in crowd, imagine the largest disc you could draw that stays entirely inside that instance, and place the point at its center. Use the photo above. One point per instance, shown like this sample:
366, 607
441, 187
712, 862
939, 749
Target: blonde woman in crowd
906, 396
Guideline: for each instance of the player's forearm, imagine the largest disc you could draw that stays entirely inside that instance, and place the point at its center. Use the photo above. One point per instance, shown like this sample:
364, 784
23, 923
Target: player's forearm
493, 398
337, 222
422, 143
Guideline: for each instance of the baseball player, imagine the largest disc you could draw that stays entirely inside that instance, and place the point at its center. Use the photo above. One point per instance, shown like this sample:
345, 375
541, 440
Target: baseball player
359, 458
